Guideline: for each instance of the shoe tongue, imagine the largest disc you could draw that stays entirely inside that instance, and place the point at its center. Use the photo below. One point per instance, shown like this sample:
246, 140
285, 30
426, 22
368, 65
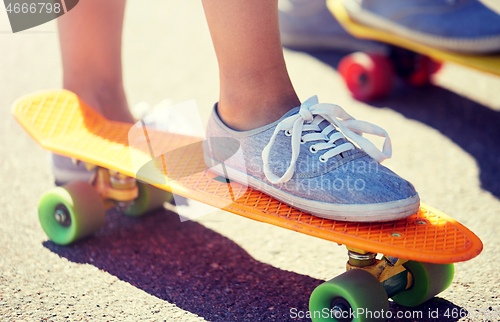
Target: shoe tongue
295, 111
291, 112
322, 125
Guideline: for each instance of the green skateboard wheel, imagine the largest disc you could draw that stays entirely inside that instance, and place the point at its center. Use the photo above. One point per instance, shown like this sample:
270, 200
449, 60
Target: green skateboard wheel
428, 281
150, 198
71, 212
354, 291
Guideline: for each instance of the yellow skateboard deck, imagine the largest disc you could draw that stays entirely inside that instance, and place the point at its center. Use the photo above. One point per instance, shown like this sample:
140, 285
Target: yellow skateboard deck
62, 123
485, 63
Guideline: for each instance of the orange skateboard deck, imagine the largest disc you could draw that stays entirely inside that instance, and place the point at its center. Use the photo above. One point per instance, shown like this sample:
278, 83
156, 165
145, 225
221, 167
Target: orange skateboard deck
485, 63
62, 123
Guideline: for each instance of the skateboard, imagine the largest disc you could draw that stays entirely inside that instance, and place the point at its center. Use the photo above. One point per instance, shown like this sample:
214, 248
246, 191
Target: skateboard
418, 252
370, 76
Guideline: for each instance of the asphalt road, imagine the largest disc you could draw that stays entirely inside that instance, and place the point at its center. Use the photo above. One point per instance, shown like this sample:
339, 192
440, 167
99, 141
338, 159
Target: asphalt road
222, 267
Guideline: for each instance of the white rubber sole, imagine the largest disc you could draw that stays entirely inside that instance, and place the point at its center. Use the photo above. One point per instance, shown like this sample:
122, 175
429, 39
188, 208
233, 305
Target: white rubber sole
346, 212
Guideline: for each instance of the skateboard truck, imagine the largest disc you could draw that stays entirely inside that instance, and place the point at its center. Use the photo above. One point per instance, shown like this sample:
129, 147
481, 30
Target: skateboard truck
389, 270
115, 188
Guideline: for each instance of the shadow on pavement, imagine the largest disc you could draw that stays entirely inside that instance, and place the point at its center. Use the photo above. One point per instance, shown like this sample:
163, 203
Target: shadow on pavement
193, 267
470, 125
201, 271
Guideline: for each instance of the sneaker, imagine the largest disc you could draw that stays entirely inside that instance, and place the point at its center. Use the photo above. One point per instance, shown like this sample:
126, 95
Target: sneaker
315, 159
66, 171
309, 24
465, 26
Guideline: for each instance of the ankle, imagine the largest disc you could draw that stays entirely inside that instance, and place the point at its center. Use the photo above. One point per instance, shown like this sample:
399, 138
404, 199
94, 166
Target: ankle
253, 99
248, 113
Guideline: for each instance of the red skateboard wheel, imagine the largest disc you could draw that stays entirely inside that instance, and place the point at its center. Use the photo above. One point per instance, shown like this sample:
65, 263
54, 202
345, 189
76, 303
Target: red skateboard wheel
368, 76
425, 67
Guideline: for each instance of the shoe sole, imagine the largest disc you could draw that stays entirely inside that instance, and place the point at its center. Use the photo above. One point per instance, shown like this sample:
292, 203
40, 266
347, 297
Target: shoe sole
345, 212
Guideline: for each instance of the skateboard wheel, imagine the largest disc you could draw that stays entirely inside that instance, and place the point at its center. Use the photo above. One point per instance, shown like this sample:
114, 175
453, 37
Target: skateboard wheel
150, 198
368, 76
71, 212
355, 289
425, 67
428, 281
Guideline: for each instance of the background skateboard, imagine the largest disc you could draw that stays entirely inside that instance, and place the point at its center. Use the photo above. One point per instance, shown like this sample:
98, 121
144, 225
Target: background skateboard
371, 75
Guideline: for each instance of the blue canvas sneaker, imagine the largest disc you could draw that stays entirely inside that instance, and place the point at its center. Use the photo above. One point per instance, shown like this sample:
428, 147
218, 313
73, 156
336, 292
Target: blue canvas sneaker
465, 26
315, 159
308, 24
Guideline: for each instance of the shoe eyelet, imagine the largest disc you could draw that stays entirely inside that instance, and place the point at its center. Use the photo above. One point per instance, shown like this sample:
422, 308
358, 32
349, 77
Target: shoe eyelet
302, 141
323, 159
288, 132
312, 149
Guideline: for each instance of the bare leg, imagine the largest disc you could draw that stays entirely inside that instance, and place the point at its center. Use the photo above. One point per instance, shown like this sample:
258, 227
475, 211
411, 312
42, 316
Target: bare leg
255, 87
90, 37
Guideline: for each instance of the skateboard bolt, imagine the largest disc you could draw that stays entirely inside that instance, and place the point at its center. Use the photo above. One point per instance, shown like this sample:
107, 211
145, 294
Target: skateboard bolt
339, 306
363, 79
62, 216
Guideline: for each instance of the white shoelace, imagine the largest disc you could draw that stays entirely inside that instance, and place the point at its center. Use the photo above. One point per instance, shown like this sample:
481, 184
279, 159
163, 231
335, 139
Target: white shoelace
312, 113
